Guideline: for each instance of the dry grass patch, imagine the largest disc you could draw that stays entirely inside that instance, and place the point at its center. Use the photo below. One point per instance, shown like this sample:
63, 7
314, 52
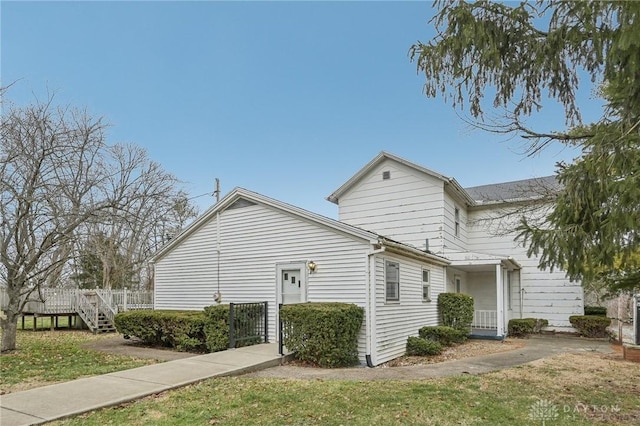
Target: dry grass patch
598, 371
470, 348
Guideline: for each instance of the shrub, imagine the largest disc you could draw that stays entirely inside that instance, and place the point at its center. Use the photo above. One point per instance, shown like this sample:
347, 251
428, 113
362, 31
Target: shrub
418, 346
216, 327
522, 327
456, 310
595, 310
182, 330
324, 334
590, 325
443, 334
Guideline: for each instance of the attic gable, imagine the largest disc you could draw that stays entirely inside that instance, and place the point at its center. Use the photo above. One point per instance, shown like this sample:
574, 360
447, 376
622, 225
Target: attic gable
450, 183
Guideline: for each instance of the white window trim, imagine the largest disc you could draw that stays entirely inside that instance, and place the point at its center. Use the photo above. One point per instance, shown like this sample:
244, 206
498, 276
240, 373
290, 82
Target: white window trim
426, 284
456, 221
386, 294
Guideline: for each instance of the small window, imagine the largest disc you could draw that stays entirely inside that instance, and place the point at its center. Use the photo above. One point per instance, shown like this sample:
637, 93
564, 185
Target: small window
392, 282
386, 175
457, 221
458, 282
426, 287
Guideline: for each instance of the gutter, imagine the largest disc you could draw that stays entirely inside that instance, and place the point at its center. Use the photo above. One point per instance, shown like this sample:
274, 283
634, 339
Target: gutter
405, 250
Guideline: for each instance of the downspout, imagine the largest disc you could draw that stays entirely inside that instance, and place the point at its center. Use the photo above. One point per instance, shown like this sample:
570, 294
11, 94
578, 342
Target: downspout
370, 303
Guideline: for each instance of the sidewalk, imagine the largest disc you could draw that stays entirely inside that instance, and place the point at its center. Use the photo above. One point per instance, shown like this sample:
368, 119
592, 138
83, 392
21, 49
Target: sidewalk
537, 347
61, 400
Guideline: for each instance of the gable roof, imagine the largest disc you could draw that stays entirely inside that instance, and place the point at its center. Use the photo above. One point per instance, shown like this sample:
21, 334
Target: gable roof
241, 195
450, 182
519, 190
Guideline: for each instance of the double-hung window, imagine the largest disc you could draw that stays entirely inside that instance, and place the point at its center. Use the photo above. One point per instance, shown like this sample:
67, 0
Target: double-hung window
426, 287
392, 281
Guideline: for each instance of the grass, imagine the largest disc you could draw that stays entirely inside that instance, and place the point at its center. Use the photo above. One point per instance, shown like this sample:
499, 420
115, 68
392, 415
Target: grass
46, 357
42, 323
501, 398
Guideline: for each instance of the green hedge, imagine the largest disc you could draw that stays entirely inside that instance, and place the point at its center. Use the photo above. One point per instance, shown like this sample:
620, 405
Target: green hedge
590, 325
456, 310
216, 327
595, 310
182, 330
324, 334
417, 346
443, 334
522, 327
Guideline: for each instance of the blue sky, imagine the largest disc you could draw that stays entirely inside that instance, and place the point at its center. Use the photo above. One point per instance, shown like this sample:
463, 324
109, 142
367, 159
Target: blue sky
288, 99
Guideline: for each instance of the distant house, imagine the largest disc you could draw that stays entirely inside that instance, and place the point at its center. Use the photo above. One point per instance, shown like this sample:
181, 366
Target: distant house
405, 234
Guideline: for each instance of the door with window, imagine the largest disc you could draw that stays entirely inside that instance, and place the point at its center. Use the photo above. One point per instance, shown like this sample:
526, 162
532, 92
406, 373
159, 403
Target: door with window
292, 286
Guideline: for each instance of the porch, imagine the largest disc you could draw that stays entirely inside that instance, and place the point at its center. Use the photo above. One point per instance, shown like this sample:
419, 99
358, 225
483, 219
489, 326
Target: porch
490, 280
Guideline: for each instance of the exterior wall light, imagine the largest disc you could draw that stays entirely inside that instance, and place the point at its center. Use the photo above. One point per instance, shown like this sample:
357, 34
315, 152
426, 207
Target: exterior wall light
312, 266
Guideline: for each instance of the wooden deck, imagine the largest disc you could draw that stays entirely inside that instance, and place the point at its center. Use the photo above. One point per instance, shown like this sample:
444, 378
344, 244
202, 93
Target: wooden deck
96, 308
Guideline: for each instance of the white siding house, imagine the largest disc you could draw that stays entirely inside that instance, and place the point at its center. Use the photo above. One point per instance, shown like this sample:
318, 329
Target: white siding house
473, 228
249, 248
404, 235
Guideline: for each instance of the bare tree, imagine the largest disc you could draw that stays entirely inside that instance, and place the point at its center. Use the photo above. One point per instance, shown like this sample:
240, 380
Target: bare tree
57, 174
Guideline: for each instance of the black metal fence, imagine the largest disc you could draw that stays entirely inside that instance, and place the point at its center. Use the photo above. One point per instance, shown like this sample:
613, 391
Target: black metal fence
248, 324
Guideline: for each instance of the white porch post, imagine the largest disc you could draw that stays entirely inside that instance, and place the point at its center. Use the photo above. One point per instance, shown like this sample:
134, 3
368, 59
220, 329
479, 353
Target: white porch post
499, 301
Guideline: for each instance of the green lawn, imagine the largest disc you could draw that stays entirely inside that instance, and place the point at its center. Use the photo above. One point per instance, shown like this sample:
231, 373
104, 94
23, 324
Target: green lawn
501, 398
45, 357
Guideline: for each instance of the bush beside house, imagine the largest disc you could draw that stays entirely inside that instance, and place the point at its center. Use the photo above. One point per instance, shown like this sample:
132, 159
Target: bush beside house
323, 334
523, 327
456, 311
194, 331
446, 336
418, 346
590, 325
595, 310
182, 330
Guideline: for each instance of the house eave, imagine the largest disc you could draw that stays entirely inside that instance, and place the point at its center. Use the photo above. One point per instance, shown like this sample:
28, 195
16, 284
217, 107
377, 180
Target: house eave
237, 193
414, 253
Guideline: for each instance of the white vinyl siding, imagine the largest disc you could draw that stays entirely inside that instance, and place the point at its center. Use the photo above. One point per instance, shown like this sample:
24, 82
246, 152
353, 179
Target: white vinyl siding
407, 207
548, 295
253, 240
454, 231
397, 321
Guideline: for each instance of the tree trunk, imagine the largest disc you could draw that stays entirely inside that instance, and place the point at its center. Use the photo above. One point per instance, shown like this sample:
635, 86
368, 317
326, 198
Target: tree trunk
9, 330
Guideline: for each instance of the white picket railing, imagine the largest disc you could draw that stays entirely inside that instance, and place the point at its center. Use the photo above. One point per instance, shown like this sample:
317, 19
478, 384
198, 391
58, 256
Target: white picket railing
485, 319
87, 309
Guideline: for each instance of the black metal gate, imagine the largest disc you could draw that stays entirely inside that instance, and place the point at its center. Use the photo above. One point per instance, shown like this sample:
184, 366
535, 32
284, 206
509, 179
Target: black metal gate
248, 324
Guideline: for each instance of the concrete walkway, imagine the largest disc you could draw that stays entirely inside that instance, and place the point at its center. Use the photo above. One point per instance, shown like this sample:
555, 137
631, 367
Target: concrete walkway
62, 400
536, 347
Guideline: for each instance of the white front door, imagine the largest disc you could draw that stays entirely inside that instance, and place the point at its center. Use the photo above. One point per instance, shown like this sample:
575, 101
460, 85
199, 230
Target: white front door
292, 286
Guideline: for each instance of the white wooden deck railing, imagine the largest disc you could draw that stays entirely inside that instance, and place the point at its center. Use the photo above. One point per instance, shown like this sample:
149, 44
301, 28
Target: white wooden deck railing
65, 300
485, 319
87, 310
